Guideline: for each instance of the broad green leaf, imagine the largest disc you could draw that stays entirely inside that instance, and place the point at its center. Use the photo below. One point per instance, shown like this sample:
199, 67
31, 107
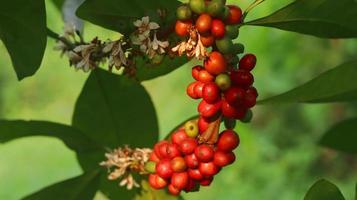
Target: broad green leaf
335, 85
82, 187
356, 192
23, 31
119, 15
72, 137
148, 193
321, 18
146, 71
324, 190
342, 136
58, 3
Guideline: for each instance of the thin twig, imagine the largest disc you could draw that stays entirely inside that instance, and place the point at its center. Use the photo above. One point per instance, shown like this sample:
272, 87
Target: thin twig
56, 36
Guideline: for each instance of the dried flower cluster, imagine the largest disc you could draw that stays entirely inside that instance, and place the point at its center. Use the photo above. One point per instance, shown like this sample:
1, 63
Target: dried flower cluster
122, 161
193, 47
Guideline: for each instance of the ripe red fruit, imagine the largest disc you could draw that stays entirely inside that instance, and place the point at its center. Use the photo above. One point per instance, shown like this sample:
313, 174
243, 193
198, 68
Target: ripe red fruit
204, 153
198, 89
191, 161
250, 100
163, 169
204, 23
191, 186
208, 40
228, 110
178, 164
182, 27
228, 140
203, 124
180, 180
252, 90
195, 174
216, 63
248, 62
242, 78
153, 157
234, 96
195, 71
235, 15
209, 110
178, 137
173, 190
172, 151
160, 149
205, 77
222, 158
188, 146
211, 92
207, 181
208, 169
190, 91
156, 181
218, 28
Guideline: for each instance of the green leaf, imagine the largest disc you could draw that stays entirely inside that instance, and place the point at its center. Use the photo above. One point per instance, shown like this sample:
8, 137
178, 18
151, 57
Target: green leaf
324, 190
356, 192
147, 71
72, 137
82, 187
58, 3
335, 85
115, 110
148, 193
321, 18
342, 136
23, 31
119, 15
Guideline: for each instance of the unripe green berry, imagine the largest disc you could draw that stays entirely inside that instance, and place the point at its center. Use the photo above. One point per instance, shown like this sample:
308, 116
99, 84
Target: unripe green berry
225, 45
234, 60
191, 128
238, 48
229, 123
150, 167
247, 117
215, 8
232, 31
197, 6
183, 13
225, 13
223, 81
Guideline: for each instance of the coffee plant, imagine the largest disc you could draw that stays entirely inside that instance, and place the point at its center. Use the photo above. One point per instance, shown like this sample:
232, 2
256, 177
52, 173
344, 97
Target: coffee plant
114, 129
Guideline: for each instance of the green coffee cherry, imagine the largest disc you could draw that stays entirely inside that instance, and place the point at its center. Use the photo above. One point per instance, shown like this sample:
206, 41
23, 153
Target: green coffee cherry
183, 13
232, 31
191, 128
198, 6
150, 167
238, 48
234, 60
229, 123
223, 81
225, 13
225, 45
247, 117
215, 8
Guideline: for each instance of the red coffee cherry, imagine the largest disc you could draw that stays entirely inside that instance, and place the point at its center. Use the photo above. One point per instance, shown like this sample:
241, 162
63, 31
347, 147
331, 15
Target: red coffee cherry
209, 110
208, 169
228, 140
248, 62
160, 149
173, 190
178, 137
172, 151
242, 78
216, 63
207, 40
190, 91
198, 89
207, 181
195, 71
188, 146
204, 23
191, 161
180, 180
218, 28
222, 158
153, 157
250, 100
252, 90
182, 27
204, 153
191, 186
203, 124
228, 110
163, 169
205, 77
178, 164
235, 96
195, 174
211, 92
235, 15
156, 181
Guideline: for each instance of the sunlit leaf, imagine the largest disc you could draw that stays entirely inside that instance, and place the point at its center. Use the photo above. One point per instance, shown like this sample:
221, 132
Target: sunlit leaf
321, 18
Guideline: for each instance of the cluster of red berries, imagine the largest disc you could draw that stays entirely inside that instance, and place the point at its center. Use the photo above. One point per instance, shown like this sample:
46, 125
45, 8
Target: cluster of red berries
182, 163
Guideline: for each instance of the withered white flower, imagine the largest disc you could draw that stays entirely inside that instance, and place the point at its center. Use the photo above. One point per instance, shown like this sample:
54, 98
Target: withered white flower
84, 51
144, 25
158, 45
193, 47
117, 56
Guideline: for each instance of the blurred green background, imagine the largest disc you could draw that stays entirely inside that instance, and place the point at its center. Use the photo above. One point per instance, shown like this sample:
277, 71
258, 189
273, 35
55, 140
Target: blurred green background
278, 157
